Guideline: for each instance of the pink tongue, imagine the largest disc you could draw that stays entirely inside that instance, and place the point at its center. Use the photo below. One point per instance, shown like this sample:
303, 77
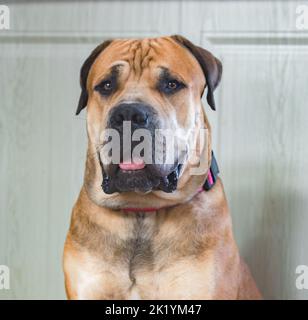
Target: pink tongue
137, 165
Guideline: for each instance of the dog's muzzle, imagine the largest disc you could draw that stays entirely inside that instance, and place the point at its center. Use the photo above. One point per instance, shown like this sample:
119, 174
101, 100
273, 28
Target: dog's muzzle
136, 124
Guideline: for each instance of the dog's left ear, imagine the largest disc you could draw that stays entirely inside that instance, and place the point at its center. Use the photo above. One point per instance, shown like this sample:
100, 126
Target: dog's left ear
84, 72
211, 66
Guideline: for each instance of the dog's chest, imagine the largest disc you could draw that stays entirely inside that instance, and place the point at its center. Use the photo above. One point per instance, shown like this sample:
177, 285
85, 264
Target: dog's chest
152, 261
139, 248
158, 261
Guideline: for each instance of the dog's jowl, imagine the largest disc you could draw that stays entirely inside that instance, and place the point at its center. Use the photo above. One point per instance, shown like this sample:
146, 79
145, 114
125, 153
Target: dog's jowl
151, 220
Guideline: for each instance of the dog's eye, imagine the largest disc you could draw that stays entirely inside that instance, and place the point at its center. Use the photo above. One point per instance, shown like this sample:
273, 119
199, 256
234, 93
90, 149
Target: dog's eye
172, 86
105, 87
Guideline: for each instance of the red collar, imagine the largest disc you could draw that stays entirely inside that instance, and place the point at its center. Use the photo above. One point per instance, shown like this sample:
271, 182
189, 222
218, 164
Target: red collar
208, 184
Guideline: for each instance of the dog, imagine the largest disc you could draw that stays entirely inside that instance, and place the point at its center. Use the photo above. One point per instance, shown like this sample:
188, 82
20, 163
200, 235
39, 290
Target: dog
147, 230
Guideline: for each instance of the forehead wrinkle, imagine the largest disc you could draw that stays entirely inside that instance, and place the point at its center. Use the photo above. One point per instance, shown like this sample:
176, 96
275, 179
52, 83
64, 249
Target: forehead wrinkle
139, 56
146, 57
157, 44
138, 59
133, 50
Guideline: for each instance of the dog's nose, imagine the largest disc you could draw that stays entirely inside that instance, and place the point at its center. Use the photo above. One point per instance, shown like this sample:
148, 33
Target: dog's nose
137, 113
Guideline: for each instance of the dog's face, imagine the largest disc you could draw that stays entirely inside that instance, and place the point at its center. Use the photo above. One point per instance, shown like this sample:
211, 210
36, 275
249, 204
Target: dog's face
140, 90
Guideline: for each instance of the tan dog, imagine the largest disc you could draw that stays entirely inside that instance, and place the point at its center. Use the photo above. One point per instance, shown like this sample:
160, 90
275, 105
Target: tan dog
183, 248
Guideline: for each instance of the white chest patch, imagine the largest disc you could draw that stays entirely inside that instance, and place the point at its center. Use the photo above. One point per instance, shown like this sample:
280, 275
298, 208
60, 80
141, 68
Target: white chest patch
134, 294
86, 285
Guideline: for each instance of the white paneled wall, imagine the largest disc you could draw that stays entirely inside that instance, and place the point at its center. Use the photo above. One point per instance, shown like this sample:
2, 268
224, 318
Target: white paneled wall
259, 130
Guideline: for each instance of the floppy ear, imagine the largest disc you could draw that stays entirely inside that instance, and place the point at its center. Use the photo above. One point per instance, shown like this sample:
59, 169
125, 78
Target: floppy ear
84, 72
211, 66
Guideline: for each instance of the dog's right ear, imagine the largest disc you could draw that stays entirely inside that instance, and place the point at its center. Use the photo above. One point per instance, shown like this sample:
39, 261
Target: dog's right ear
84, 72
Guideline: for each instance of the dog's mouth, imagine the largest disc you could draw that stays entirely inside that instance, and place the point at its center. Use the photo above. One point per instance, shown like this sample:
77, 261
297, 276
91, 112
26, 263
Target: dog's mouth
140, 177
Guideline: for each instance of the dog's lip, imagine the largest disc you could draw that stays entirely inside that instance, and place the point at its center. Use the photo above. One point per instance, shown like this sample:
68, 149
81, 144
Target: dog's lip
129, 171
166, 183
136, 164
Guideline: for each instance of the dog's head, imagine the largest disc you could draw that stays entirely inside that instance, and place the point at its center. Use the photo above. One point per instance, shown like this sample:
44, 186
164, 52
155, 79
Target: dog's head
144, 113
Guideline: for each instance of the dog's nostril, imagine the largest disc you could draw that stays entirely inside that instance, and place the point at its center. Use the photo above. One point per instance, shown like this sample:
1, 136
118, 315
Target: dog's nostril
118, 119
140, 118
